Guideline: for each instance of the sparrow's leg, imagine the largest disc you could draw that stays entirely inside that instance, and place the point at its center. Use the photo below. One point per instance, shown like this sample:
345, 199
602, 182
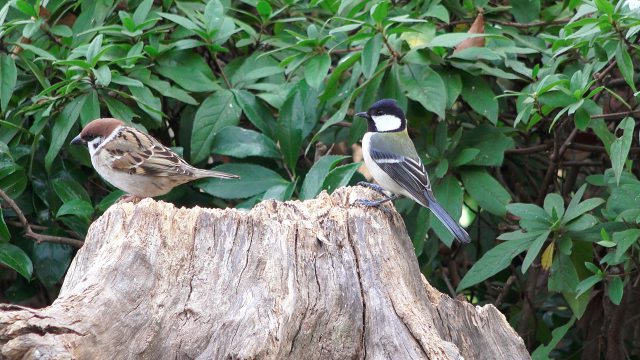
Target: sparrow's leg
129, 198
374, 187
377, 203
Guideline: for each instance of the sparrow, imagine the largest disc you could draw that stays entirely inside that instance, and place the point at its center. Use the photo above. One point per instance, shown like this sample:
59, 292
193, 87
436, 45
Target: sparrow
135, 162
392, 160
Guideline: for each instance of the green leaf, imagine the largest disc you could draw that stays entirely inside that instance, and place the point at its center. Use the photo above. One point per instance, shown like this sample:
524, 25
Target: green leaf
340, 176
554, 204
371, 55
103, 75
452, 39
465, 156
379, 11
264, 9
77, 207
314, 179
525, 11
624, 239
240, 143
543, 351
616, 290
533, 251
91, 108
215, 113
8, 78
61, 127
492, 143
625, 64
51, 262
94, 49
486, 190
424, 85
5, 235
148, 102
605, 6
199, 78
68, 189
563, 276
577, 208
254, 179
621, 146
298, 116
17, 259
316, 69
492, 262
256, 112
586, 284
140, 15
480, 97
119, 110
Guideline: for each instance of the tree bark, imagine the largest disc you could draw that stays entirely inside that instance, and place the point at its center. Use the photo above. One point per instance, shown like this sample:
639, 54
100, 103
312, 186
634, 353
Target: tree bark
319, 279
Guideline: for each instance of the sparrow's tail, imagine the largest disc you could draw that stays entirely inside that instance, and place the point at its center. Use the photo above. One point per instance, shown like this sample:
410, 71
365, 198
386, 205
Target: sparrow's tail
216, 174
447, 220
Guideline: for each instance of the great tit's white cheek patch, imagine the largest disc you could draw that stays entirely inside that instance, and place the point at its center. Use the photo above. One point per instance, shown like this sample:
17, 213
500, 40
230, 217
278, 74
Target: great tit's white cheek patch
387, 122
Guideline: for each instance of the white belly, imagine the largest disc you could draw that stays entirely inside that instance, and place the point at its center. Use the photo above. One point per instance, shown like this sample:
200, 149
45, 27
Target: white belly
378, 174
138, 185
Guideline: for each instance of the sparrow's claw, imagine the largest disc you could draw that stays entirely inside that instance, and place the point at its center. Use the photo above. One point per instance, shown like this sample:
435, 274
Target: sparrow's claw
372, 186
129, 198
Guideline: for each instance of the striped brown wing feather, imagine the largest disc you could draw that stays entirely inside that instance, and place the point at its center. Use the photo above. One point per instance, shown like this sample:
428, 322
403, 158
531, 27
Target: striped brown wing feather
135, 152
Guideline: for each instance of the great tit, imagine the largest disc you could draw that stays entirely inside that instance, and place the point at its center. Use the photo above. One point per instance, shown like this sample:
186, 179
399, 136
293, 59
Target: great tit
393, 161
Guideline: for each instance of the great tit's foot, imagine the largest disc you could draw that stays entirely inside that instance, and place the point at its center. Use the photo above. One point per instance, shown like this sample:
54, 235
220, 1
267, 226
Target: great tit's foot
377, 203
129, 198
372, 186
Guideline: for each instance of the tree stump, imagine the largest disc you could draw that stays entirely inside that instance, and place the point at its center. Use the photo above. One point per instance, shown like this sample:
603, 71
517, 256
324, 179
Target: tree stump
319, 279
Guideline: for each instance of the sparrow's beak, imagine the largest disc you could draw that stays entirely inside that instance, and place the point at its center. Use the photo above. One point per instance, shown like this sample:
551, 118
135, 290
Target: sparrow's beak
78, 141
363, 115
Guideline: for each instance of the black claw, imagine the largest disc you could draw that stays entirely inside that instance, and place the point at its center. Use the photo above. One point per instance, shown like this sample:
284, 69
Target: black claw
374, 187
378, 204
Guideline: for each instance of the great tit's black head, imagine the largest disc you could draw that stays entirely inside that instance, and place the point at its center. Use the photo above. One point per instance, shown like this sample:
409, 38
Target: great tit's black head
385, 116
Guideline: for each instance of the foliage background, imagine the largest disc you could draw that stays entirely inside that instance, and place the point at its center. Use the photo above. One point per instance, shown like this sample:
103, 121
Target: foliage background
527, 128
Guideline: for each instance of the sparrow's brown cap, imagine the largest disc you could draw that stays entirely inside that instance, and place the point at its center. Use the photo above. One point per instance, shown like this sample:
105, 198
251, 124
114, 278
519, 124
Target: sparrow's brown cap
99, 127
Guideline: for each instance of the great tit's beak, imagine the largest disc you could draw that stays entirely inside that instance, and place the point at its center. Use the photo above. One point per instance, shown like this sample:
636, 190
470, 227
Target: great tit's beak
363, 115
78, 141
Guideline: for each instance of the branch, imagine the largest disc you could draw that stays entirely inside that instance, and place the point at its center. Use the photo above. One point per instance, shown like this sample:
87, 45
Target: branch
29, 232
529, 150
616, 115
510, 23
553, 165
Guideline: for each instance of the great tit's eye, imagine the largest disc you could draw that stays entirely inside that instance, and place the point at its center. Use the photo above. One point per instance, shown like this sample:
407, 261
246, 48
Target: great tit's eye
379, 112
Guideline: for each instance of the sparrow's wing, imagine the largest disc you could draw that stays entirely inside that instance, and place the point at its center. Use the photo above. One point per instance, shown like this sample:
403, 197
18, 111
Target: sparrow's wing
135, 152
408, 172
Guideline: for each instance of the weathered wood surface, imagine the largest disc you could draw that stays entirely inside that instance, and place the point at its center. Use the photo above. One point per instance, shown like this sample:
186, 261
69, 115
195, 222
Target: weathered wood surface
319, 279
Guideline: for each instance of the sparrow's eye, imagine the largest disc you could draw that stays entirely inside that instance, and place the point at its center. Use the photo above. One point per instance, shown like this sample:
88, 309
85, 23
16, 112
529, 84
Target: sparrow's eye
379, 112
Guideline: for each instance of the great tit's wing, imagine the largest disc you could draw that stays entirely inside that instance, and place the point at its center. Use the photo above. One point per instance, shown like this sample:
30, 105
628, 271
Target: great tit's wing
411, 175
408, 172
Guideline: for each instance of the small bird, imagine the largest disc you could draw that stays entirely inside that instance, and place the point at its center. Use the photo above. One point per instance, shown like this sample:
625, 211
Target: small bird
393, 161
135, 162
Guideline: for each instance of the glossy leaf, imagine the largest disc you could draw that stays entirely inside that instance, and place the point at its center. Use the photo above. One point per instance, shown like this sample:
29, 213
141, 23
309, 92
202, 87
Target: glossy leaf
214, 114
15, 258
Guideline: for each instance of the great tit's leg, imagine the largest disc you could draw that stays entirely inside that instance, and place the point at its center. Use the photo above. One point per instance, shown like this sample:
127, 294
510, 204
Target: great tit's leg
377, 203
372, 186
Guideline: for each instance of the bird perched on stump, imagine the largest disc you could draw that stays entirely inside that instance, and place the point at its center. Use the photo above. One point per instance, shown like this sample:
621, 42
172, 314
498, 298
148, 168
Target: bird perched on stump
135, 162
393, 161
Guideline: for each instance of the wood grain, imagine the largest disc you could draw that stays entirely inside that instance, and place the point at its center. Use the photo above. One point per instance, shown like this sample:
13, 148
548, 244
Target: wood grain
319, 279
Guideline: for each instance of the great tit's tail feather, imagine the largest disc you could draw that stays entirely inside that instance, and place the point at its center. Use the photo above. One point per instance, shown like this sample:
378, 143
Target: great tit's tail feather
446, 219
